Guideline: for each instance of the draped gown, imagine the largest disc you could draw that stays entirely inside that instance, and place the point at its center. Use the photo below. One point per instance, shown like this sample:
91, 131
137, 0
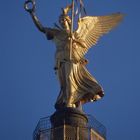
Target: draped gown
76, 83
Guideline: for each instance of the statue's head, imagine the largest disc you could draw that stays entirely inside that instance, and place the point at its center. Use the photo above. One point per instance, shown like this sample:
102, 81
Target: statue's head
65, 22
64, 19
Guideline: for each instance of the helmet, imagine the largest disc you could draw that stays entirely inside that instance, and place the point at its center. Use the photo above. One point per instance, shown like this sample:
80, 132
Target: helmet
64, 19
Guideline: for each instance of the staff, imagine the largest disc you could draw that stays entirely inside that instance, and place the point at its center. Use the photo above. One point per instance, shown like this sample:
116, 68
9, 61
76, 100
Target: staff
72, 26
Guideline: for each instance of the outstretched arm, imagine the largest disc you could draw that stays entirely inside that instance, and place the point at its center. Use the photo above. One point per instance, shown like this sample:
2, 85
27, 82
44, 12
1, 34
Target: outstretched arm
33, 15
37, 22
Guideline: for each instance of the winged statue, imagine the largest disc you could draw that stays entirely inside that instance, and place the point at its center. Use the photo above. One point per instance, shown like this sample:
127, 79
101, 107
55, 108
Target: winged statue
77, 85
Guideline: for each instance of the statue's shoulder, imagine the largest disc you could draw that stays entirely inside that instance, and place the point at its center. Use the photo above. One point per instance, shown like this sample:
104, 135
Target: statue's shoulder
54, 32
51, 32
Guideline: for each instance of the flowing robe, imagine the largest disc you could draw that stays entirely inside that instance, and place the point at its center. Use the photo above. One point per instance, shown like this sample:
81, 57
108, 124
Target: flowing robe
77, 84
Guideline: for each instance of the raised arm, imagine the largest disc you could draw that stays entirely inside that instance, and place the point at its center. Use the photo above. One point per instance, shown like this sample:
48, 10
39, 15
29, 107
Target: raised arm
31, 10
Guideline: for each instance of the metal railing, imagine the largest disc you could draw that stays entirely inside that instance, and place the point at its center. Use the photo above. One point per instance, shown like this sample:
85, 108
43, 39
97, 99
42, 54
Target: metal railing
96, 126
44, 127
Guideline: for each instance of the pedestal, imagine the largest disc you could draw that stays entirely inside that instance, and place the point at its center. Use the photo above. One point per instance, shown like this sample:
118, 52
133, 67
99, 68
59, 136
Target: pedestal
69, 124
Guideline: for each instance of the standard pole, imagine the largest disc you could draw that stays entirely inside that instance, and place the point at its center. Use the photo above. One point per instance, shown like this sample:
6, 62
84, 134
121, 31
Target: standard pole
72, 27
72, 17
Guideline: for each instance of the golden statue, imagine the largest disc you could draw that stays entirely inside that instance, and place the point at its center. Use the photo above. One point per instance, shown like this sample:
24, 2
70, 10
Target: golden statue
77, 85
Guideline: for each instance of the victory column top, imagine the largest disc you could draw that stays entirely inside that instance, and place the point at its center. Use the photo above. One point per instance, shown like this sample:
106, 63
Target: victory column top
77, 85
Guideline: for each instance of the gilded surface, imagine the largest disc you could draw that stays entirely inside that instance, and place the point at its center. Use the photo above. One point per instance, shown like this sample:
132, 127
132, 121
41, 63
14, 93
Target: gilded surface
77, 85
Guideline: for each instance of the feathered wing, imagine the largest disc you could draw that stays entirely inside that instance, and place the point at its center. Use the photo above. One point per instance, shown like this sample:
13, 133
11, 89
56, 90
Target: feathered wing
91, 28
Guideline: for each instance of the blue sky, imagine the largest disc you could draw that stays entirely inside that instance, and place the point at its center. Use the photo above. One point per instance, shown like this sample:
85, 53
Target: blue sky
28, 86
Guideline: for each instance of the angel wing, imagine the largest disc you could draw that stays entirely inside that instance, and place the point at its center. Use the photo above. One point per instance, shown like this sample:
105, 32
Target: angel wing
91, 28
